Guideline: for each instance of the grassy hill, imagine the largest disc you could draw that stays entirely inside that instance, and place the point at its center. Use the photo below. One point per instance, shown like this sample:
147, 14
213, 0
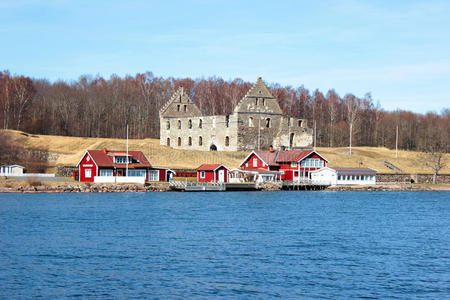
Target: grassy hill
68, 150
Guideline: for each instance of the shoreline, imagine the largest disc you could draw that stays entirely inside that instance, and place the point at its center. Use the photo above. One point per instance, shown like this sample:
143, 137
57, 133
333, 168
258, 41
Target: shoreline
164, 187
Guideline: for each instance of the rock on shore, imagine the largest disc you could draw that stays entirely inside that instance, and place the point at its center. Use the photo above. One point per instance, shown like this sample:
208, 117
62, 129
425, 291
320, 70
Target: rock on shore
87, 188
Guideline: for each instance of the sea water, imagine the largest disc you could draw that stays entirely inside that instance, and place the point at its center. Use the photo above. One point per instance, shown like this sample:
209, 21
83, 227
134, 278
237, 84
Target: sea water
239, 245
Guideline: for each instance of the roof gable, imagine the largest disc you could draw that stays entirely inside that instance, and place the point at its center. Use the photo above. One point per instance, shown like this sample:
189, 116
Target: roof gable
175, 106
258, 91
210, 167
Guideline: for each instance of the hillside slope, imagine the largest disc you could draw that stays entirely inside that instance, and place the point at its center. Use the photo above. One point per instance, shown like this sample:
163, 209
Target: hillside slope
68, 151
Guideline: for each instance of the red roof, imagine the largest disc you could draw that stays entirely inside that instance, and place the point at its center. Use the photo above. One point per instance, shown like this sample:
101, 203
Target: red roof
273, 158
210, 167
354, 170
105, 158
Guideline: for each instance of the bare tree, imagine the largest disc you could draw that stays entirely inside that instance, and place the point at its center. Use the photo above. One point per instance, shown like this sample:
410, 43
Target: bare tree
435, 160
352, 115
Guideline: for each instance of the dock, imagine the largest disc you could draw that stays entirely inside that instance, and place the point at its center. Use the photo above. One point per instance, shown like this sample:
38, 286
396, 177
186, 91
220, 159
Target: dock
191, 186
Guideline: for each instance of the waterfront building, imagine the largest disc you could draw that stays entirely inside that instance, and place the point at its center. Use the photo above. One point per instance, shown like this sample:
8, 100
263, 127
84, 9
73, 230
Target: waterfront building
108, 165
344, 176
212, 173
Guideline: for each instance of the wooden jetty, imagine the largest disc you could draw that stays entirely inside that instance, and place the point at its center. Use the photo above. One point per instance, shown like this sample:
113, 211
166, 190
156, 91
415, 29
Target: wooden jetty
191, 186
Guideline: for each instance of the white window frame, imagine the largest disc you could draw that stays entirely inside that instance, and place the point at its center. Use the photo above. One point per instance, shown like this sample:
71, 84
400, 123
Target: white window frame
88, 173
255, 162
153, 175
202, 174
106, 172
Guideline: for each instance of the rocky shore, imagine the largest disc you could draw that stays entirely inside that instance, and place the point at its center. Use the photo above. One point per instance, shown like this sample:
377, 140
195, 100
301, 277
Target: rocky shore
86, 188
164, 187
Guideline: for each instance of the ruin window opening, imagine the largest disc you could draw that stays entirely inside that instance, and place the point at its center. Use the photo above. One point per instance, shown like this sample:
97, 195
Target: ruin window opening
168, 125
263, 101
178, 107
200, 123
190, 141
179, 124
256, 102
291, 140
179, 141
168, 142
185, 108
190, 124
268, 123
227, 121
300, 123
227, 141
250, 122
200, 141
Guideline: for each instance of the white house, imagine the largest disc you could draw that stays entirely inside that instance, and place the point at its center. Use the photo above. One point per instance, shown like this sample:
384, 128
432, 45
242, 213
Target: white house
11, 170
343, 176
324, 176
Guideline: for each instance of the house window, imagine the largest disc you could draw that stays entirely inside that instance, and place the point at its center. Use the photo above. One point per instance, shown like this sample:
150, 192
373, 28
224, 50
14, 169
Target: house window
227, 141
178, 107
87, 173
202, 174
168, 125
250, 122
137, 173
179, 142
168, 142
255, 162
185, 108
339, 177
200, 141
179, 124
190, 141
268, 123
256, 102
153, 175
300, 123
246, 164
294, 164
121, 159
200, 123
106, 172
190, 124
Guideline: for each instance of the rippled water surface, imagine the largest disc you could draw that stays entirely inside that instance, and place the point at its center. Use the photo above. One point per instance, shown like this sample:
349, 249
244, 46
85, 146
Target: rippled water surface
286, 245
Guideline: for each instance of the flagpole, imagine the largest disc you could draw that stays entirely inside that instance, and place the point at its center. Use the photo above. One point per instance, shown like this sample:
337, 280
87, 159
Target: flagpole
127, 153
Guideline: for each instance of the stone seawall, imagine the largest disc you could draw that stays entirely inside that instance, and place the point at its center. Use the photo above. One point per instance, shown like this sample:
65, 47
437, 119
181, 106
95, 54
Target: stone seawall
86, 188
417, 178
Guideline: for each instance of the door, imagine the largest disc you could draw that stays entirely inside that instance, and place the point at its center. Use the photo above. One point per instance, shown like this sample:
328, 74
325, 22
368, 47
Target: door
221, 175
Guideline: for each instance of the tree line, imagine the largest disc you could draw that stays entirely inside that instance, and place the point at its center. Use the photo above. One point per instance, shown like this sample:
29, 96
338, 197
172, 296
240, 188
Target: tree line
100, 107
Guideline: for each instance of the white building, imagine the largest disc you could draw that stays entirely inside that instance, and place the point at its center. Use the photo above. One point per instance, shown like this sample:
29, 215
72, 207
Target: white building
11, 170
343, 176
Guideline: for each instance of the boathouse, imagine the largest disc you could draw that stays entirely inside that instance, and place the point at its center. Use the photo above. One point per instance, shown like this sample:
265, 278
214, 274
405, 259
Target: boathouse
112, 165
11, 170
344, 176
212, 173
290, 165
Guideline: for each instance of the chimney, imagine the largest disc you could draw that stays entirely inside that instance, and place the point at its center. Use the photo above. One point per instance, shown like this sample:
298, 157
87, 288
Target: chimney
105, 151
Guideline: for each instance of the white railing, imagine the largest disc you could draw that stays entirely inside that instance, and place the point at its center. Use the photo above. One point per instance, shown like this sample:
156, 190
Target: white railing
119, 179
28, 175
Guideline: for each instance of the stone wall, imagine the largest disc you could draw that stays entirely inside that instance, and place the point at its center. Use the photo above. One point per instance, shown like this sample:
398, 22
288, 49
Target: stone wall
417, 178
65, 171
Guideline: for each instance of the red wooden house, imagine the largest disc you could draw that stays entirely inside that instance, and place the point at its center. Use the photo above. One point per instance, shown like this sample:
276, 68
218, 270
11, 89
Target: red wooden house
109, 163
293, 164
212, 173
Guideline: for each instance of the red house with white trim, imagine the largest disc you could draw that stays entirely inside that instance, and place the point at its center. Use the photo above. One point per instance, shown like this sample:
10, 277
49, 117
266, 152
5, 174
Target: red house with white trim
293, 164
212, 173
110, 163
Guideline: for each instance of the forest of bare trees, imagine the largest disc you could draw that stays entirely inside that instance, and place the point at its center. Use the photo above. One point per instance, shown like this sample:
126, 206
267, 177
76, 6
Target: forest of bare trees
98, 107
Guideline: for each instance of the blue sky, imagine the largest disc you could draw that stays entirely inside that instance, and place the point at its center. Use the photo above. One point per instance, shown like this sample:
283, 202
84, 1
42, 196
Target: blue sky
397, 50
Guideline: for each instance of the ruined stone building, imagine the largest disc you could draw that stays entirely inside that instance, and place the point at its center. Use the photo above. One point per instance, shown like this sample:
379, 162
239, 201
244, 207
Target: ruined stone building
257, 122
